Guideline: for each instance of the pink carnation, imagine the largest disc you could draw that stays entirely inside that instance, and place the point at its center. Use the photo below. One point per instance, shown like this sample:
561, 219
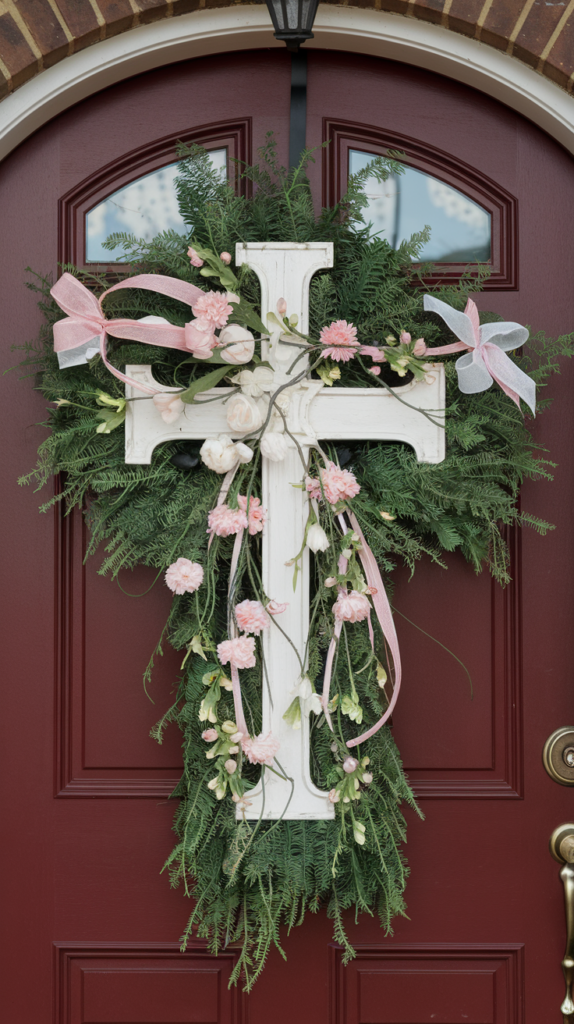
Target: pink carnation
260, 749
212, 309
353, 607
183, 577
340, 339
209, 735
224, 520
251, 617
195, 260
338, 484
240, 652
257, 515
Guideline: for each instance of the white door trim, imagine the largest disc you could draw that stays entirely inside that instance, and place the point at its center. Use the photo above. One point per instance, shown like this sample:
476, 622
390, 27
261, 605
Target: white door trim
247, 27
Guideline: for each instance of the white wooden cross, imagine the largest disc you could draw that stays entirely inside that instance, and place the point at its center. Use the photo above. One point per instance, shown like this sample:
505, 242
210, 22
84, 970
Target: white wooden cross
346, 414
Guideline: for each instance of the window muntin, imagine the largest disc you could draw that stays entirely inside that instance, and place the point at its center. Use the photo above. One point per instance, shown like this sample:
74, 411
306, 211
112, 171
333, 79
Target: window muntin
402, 205
144, 207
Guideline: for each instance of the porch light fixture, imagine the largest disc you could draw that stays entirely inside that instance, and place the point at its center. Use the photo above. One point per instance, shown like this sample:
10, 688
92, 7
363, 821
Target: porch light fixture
293, 20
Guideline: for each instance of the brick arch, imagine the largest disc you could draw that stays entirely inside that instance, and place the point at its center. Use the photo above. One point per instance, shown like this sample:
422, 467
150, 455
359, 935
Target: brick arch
35, 34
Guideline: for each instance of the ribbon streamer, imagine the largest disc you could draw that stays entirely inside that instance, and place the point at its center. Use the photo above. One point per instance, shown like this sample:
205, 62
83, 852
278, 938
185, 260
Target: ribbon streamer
86, 320
485, 347
386, 622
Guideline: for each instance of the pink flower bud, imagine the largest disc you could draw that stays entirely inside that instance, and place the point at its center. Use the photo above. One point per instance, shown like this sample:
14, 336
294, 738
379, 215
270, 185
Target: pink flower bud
405, 337
209, 735
375, 370
350, 764
281, 307
225, 257
330, 581
420, 347
334, 796
196, 260
230, 766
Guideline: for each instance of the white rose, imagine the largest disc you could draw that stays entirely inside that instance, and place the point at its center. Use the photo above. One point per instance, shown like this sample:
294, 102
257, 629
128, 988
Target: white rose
241, 344
219, 453
169, 405
317, 539
243, 414
274, 446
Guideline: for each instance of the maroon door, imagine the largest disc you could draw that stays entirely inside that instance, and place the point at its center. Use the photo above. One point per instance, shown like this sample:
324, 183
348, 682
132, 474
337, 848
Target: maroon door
91, 928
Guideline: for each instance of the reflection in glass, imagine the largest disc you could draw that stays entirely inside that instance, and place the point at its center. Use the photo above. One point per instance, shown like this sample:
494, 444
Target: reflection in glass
402, 205
143, 208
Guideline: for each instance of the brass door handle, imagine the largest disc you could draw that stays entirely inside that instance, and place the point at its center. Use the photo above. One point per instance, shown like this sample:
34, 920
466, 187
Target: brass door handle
562, 849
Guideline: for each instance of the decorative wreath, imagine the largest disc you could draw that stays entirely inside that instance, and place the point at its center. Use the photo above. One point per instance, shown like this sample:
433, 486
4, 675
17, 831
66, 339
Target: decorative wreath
195, 516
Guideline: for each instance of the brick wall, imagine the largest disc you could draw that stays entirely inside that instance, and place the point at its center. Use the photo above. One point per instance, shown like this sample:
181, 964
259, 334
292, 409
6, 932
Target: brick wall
34, 34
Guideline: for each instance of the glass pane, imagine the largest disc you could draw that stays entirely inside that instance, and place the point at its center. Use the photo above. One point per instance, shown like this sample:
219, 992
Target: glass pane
144, 207
402, 205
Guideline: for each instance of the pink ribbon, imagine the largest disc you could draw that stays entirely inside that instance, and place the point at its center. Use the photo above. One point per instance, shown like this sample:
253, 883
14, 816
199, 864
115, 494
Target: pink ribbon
385, 617
85, 320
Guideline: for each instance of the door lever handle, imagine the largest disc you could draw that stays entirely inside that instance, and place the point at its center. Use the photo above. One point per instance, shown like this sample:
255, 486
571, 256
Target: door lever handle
562, 849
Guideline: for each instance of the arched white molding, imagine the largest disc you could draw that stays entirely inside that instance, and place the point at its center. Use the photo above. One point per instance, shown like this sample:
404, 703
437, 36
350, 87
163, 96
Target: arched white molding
238, 28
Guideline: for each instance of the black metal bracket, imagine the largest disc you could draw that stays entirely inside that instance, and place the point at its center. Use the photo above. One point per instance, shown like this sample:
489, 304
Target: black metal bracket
298, 115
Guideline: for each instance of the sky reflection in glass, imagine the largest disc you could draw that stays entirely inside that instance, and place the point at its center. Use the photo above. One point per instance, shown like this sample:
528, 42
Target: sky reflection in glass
402, 205
144, 208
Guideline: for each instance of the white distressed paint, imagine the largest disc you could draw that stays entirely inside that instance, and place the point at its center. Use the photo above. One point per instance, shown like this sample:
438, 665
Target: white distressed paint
314, 413
348, 29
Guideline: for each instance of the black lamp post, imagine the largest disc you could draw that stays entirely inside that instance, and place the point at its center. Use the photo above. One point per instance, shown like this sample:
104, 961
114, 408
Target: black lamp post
293, 20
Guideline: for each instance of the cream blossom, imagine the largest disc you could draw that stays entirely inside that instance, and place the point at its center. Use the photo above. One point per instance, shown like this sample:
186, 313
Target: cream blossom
276, 608
251, 616
254, 382
310, 701
240, 344
239, 652
274, 446
317, 539
367, 778
338, 484
221, 454
212, 310
225, 521
257, 515
260, 749
340, 340
334, 796
243, 414
353, 607
169, 405
230, 766
183, 577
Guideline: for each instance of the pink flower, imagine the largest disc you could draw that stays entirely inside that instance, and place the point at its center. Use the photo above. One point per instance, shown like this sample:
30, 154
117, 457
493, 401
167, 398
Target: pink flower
225, 257
350, 764
276, 608
420, 347
224, 521
240, 652
405, 338
209, 735
338, 484
281, 307
183, 577
377, 354
334, 796
340, 339
257, 515
260, 749
251, 617
195, 259
169, 406
212, 311
353, 607
375, 370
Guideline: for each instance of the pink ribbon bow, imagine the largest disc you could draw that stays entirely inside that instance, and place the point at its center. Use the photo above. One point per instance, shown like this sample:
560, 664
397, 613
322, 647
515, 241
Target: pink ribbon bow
486, 347
85, 320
